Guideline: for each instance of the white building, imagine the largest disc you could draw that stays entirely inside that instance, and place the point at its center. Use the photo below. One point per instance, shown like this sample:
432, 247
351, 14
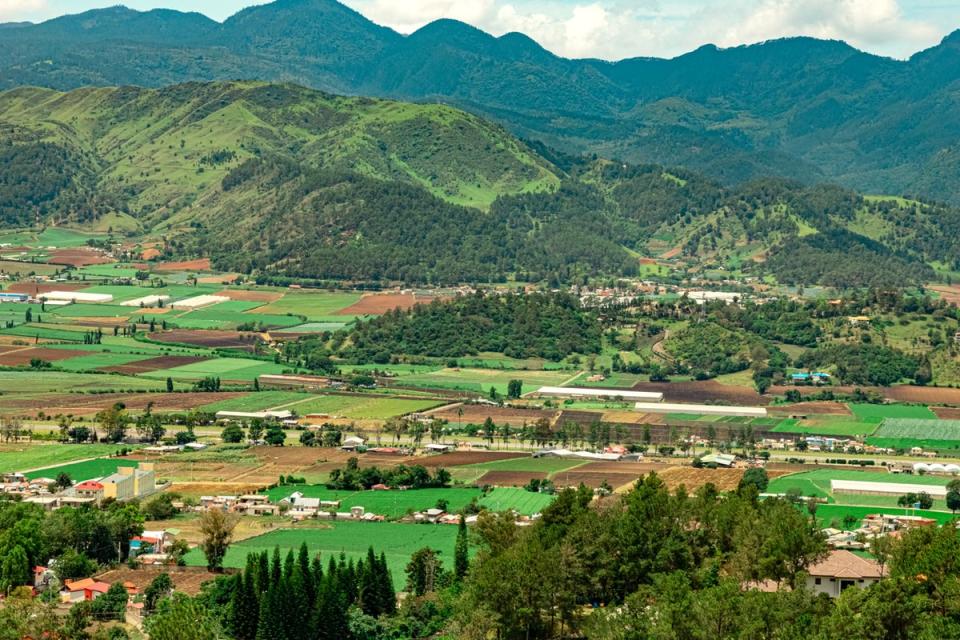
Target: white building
701, 409
76, 296
841, 570
583, 392
146, 301
198, 301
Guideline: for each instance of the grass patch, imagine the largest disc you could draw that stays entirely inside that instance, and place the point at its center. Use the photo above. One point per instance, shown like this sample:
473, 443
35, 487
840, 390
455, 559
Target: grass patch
868, 411
20, 457
86, 470
520, 500
363, 407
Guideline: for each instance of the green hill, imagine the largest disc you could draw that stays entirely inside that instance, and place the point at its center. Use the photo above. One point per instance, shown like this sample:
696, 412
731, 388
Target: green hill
287, 182
801, 108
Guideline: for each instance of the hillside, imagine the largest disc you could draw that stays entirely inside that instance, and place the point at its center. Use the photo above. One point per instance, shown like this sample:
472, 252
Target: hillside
286, 182
801, 108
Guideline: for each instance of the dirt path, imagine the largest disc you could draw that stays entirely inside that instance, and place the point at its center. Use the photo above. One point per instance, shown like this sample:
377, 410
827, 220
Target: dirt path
659, 350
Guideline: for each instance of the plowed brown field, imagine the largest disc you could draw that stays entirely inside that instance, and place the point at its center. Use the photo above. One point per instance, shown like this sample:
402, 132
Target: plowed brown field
153, 364
20, 356
378, 304
704, 391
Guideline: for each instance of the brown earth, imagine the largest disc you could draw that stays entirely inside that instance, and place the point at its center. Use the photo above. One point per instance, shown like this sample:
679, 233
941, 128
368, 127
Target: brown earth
704, 391
583, 418
477, 413
211, 339
251, 296
693, 479
633, 417
593, 480
460, 458
924, 395
36, 288
950, 294
79, 404
153, 364
150, 253
378, 304
185, 579
672, 253
818, 408
79, 257
946, 413
19, 357
202, 264
510, 478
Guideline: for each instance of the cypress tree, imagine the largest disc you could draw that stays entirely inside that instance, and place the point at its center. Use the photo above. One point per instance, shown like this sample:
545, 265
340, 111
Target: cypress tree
368, 585
288, 565
270, 624
245, 606
263, 573
461, 558
330, 613
306, 573
276, 569
388, 597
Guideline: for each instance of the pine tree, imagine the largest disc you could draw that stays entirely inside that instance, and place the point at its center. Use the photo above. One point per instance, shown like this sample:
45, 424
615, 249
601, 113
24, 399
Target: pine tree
288, 563
388, 597
368, 585
461, 558
270, 624
245, 605
330, 613
306, 572
263, 573
276, 568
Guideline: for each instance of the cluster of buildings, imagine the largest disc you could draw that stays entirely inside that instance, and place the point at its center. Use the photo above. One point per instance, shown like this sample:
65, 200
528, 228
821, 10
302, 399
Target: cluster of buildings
127, 483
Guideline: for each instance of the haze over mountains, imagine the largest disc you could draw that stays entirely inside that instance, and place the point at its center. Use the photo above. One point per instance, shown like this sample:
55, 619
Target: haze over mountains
807, 109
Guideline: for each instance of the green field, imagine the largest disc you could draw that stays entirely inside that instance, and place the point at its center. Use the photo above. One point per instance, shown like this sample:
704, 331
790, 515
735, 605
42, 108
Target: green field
875, 411
86, 470
243, 369
257, 401
920, 429
317, 306
43, 332
545, 465
392, 504
520, 500
833, 514
817, 482
827, 427
397, 541
99, 360
909, 443
19, 457
363, 407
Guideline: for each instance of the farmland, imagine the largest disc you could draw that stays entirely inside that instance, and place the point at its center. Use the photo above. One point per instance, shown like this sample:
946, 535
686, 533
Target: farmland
352, 539
21, 457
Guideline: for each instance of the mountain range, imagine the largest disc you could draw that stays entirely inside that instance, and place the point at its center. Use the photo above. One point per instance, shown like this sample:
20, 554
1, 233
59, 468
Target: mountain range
802, 108
289, 183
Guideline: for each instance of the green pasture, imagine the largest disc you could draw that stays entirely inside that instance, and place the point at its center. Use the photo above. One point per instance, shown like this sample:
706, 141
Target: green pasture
909, 443
257, 401
520, 500
85, 310
817, 481
85, 470
318, 306
313, 327
881, 411
352, 539
99, 360
244, 369
827, 427
43, 332
545, 465
363, 407
833, 515
215, 318
20, 457
392, 504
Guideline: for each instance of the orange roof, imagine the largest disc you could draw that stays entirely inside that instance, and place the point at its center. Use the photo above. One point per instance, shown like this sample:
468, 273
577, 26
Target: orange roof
89, 485
87, 584
844, 564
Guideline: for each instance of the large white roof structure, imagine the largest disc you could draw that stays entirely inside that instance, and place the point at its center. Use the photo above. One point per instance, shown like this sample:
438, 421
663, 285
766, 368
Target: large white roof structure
198, 301
582, 392
145, 301
702, 409
76, 296
886, 488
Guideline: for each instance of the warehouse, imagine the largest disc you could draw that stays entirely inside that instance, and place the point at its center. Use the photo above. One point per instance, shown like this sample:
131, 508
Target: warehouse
859, 487
76, 296
580, 392
13, 297
701, 409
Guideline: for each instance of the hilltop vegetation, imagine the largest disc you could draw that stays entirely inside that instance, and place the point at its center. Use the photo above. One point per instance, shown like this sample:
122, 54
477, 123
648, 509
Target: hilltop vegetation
286, 183
800, 108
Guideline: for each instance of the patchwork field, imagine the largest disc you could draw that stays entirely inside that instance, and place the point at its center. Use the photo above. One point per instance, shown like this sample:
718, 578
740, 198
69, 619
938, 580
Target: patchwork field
22, 457
392, 504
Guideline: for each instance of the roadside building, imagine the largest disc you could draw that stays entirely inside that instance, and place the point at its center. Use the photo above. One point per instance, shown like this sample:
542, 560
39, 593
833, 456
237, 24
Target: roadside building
80, 590
89, 489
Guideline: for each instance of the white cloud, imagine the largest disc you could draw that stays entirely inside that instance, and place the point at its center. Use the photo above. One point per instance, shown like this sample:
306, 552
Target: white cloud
15, 9
616, 29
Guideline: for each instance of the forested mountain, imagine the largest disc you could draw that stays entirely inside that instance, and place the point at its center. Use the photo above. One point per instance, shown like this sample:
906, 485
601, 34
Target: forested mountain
283, 181
801, 108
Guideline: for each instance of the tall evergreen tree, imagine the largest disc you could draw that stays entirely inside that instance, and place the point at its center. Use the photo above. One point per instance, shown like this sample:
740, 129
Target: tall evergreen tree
245, 606
461, 558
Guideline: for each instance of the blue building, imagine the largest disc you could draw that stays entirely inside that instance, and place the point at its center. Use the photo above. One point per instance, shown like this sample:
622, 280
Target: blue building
6, 296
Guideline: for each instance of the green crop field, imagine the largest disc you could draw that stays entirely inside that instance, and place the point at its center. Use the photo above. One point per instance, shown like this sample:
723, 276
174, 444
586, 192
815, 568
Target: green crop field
83, 310
20, 457
44, 333
369, 407
875, 411
62, 381
212, 318
257, 401
99, 360
397, 541
520, 500
546, 465
225, 368
827, 427
319, 306
28, 268
86, 470
909, 443
921, 429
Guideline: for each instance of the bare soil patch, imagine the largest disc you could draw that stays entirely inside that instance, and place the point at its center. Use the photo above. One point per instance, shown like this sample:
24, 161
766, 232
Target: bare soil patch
593, 480
185, 579
150, 254
79, 404
812, 408
19, 357
925, 395
378, 304
583, 418
510, 478
692, 479
79, 257
36, 288
704, 391
946, 413
251, 296
633, 417
153, 364
949, 293
210, 339
220, 278
202, 264
460, 458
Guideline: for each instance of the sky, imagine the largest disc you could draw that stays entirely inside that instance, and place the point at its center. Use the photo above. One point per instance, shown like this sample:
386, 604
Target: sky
615, 29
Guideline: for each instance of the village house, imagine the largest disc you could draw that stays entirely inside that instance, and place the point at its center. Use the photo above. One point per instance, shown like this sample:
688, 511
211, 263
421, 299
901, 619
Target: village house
841, 570
80, 590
